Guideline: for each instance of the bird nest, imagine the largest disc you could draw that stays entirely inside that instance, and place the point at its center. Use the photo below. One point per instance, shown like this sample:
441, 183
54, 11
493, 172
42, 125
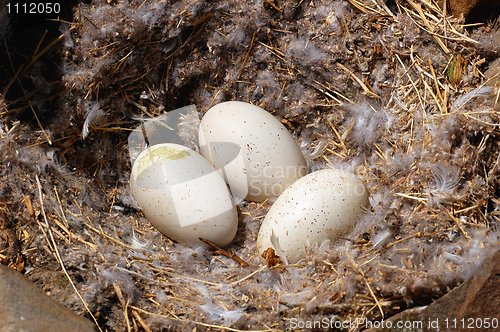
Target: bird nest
398, 93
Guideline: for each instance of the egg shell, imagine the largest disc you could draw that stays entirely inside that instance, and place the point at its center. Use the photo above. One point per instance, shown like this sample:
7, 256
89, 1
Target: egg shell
322, 205
183, 196
252, 150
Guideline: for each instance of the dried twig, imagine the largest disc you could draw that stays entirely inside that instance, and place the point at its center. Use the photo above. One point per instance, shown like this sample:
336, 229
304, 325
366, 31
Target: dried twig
58, 256
246, 56
358, 269
220, 327
262, 268
141, 321
368, 91
220, 251
457, 222
418, 7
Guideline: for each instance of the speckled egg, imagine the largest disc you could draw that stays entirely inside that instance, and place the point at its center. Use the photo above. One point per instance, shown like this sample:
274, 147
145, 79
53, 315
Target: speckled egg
322, 205
252, 150
183, 196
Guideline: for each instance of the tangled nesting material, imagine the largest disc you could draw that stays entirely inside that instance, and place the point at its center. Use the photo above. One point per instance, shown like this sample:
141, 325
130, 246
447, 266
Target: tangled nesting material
429, 156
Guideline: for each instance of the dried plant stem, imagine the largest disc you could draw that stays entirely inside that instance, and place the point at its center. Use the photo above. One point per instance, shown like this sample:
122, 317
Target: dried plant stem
19, 73
222, 328
101, 232
184, 277
246, 56
141, 321
220, 251
418, 7
58, 256
457, 222
358, 269
249, 276
367, 90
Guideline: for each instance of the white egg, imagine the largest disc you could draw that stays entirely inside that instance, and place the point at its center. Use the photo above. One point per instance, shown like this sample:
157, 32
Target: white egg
252, 150
322, 205
183, 196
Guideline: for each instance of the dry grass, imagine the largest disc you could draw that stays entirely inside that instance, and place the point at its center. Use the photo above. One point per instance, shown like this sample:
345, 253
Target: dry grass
429, 157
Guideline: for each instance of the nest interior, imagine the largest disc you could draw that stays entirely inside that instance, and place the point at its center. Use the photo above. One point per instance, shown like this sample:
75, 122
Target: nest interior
398, 93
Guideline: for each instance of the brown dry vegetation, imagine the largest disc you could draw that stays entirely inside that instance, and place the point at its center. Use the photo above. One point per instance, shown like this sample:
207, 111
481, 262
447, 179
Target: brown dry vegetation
396, 93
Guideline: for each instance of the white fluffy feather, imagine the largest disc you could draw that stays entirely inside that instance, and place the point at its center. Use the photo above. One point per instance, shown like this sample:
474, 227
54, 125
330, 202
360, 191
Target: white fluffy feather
93, 112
